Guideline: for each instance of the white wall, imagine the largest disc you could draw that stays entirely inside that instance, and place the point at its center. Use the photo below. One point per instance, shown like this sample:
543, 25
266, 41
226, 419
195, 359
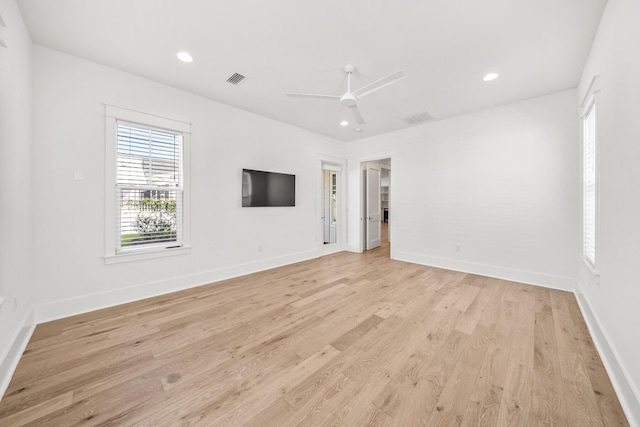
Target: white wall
612, 305
69, 215
501, 183
15, 186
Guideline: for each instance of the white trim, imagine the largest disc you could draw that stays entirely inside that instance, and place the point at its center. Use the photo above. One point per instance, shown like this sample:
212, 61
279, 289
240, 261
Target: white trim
590, 95
12, 358
332, 159
112, 115
331, 249
590, 267
331, 167
589, 182
591, 100
335, 164
109, 185
627, 394
139, 117
522, 276
73, 306
146, 254
389, 154
587, 105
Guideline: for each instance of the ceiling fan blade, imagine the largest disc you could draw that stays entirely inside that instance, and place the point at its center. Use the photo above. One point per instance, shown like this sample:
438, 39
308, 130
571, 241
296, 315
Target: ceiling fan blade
379, 84
356, 114
311, 95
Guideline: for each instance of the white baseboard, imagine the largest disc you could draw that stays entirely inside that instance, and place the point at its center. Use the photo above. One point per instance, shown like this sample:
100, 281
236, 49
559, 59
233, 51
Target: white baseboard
532, 278
12, 358
627, 394
332, 251
73, 306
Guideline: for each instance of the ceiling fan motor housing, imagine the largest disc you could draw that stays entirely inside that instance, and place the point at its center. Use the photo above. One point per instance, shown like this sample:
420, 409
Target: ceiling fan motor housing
348, 99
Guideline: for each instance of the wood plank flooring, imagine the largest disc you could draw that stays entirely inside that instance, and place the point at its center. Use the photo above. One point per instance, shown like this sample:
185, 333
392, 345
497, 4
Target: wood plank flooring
344, 340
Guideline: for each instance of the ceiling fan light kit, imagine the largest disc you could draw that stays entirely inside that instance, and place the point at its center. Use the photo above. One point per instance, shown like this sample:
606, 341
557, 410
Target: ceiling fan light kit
350, 99
490, 77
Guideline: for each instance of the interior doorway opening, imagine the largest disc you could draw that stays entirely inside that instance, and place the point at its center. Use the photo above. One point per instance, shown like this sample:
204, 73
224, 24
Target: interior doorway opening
376, 208
331, 207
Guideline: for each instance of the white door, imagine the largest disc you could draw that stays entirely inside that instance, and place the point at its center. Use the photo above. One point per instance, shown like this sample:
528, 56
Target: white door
373, 207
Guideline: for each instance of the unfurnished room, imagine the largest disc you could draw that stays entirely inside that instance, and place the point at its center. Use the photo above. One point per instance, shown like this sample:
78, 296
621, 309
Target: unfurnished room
337, 213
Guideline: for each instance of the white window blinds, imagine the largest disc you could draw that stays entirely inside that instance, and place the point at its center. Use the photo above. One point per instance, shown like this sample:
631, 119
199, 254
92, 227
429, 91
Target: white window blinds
589, 186
149, 188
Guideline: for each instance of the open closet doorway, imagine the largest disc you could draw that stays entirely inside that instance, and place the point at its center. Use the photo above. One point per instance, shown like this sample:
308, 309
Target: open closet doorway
331, 221
376, 185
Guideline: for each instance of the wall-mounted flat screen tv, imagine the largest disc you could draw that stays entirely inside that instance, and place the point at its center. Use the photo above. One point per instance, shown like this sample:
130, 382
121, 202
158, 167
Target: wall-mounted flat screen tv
260, 188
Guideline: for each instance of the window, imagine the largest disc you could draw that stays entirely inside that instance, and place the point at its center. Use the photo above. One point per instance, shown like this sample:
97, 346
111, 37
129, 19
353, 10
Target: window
589, 185
146, 185
148, 188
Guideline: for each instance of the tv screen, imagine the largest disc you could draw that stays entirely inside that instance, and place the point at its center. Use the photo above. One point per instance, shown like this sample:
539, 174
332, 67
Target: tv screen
260, 188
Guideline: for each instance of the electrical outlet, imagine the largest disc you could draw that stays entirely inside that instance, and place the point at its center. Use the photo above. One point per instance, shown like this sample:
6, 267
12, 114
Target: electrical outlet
458, 247
259, 248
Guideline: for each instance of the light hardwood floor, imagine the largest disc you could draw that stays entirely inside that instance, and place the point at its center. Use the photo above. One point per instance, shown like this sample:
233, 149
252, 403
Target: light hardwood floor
348, 339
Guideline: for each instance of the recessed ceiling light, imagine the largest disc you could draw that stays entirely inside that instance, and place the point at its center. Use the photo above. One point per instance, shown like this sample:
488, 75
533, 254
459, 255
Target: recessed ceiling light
344, 123
490, 76
357, 130
184, 57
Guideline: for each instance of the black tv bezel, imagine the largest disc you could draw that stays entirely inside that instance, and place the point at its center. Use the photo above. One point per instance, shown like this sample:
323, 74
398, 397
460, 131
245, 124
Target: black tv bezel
269, 173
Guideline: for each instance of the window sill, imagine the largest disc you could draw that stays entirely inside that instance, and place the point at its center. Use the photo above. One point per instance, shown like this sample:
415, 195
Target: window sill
594, 275
150, 254
590, 267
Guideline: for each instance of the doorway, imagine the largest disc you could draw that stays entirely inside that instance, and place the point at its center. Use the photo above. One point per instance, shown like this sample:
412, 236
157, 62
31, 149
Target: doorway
331, 221
376, 185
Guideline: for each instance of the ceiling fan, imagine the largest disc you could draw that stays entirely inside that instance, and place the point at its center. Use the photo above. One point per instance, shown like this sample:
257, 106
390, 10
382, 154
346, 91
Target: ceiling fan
349, 99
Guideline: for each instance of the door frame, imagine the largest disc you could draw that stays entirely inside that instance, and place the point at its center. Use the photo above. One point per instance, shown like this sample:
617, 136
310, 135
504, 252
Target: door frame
341, 227
372, 203
361, 199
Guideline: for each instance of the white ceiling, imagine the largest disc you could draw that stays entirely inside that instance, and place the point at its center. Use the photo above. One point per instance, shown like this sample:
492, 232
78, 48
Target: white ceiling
444, 46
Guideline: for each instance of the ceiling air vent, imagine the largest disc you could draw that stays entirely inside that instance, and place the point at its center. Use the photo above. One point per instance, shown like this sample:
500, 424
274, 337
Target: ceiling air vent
236, 79
413, 119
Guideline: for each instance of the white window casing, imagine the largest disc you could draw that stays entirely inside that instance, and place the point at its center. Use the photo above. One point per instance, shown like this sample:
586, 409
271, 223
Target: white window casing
589, 113
589, 185
146, 185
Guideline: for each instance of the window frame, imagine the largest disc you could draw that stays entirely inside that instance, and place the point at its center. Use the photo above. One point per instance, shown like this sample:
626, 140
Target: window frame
112, 252
590, 102
589, 180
